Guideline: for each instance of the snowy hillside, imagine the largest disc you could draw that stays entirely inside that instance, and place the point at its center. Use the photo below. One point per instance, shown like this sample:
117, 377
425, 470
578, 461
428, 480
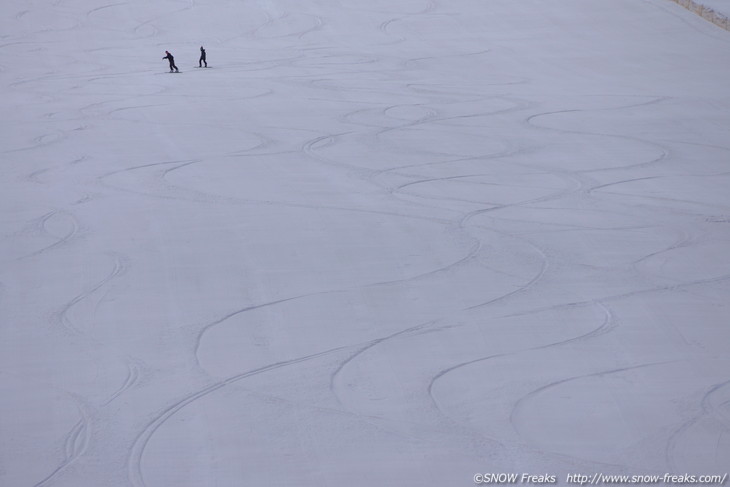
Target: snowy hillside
376, 243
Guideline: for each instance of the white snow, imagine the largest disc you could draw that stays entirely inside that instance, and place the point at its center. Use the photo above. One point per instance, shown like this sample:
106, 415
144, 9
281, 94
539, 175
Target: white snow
382, 243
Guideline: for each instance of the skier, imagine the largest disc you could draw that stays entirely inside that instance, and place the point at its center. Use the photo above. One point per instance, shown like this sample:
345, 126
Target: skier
202, 58
172, 61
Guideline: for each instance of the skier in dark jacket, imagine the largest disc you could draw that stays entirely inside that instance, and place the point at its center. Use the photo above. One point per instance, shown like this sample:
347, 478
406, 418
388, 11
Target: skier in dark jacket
202, 58
172, 61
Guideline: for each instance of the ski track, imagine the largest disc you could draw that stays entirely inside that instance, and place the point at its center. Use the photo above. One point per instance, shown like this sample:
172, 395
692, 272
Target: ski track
606, 326
342, 365
473, 252
658, 199
384, 27
40, 141
40, 226
75, 444
140, 443
709, 409
410, 63
534, 394
94, 10
173, 192
134, 372
419, 327
62, 316
683, 240
336, 377
316, 21
663, 150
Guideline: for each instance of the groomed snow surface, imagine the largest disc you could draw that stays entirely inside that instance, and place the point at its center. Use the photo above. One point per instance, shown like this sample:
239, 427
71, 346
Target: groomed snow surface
376, 243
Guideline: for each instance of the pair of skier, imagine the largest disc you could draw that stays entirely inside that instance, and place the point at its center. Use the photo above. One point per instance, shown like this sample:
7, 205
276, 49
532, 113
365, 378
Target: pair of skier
170, 58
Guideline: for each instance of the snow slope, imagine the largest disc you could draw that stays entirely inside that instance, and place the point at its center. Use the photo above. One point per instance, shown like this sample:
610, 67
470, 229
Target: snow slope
376, 243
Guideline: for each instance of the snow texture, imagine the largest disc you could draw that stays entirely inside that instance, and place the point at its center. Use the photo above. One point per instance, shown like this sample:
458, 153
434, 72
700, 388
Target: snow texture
376, 243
